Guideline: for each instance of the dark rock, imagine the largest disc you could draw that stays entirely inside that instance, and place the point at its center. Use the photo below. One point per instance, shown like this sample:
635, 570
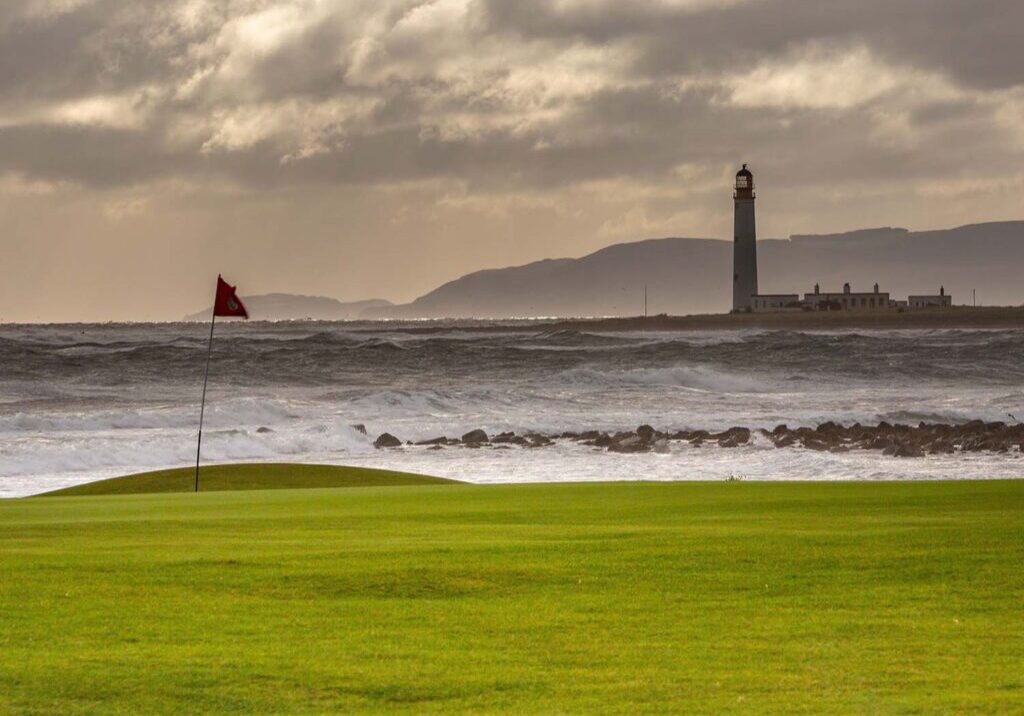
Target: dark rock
699, 436
859, 434
263, 429
475, 436
502, 438
434, 441
359, 428
630, 445
880, 443
734, 437
806, 434
645, 433
941, 446
975, 444
784, 441
830, 428
387, 440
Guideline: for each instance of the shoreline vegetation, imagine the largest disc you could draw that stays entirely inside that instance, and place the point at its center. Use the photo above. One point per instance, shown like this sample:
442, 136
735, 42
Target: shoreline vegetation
545, 598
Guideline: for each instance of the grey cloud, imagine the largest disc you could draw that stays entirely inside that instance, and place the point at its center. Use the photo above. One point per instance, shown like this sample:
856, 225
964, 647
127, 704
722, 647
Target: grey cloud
98, 46
636, 122
975, 41
96, 157
309, 66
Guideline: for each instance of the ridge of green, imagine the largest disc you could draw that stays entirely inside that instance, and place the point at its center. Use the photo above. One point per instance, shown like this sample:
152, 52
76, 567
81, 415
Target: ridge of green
247, 476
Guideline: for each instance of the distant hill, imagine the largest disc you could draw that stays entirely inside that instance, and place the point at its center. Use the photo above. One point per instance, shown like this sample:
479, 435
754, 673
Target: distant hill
285, 306
694, 275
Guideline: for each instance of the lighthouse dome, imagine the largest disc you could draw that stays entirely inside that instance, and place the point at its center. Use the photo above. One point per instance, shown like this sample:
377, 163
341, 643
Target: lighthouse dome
744, 172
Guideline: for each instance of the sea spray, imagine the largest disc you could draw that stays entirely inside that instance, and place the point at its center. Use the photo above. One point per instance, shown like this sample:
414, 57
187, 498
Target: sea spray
81, 402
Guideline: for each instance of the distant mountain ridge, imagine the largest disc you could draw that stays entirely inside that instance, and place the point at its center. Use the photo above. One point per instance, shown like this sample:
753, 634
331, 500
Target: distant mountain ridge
286, 306
687, 276
694, 275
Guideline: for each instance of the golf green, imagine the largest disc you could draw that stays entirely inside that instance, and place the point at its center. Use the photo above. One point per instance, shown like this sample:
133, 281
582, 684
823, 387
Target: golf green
247, 476
555, 598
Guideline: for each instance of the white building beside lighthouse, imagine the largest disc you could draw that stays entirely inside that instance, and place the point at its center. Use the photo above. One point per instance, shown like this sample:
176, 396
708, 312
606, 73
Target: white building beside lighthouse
744, 248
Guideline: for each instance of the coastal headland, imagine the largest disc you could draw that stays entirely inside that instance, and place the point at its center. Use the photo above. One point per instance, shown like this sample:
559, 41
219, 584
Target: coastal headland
956, 317
963, 317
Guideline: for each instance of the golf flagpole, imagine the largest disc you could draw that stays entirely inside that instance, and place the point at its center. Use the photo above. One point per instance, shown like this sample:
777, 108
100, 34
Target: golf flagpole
202, 405
225, 303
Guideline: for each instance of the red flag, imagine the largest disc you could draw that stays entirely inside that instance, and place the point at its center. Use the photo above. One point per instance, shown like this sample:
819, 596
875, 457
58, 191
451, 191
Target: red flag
227, 302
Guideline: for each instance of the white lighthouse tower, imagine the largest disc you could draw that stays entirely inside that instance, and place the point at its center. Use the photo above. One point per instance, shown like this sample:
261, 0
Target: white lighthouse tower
744, 248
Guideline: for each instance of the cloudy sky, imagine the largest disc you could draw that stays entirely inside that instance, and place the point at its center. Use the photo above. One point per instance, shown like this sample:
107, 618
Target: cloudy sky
376, 148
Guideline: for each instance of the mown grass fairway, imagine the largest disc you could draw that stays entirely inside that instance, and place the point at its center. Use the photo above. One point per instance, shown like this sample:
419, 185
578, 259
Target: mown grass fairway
581, 598
247, 476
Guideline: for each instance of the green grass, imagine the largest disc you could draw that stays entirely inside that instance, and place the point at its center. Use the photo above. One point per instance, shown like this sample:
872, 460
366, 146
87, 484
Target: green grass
247, 476
900, 598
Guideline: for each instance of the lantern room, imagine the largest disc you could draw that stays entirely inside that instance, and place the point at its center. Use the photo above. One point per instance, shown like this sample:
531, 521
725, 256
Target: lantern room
744, 184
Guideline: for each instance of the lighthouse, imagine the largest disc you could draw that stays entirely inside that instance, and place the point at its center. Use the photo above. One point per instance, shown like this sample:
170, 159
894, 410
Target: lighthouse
744, 247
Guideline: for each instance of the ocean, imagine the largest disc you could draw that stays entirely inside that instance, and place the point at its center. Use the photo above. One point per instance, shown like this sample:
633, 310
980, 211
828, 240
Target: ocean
84, 402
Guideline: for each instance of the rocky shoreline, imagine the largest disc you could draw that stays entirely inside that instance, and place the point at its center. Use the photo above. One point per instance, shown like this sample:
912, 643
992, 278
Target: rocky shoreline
896, 440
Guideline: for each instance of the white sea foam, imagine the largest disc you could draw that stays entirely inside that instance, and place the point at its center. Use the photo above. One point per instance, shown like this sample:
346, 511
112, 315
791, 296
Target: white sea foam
240, 411
71, 410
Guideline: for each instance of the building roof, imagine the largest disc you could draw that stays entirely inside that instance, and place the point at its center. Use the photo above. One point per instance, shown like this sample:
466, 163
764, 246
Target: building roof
843, 293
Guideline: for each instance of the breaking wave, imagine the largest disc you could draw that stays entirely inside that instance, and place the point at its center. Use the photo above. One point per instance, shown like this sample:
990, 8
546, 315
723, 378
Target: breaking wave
84, 401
